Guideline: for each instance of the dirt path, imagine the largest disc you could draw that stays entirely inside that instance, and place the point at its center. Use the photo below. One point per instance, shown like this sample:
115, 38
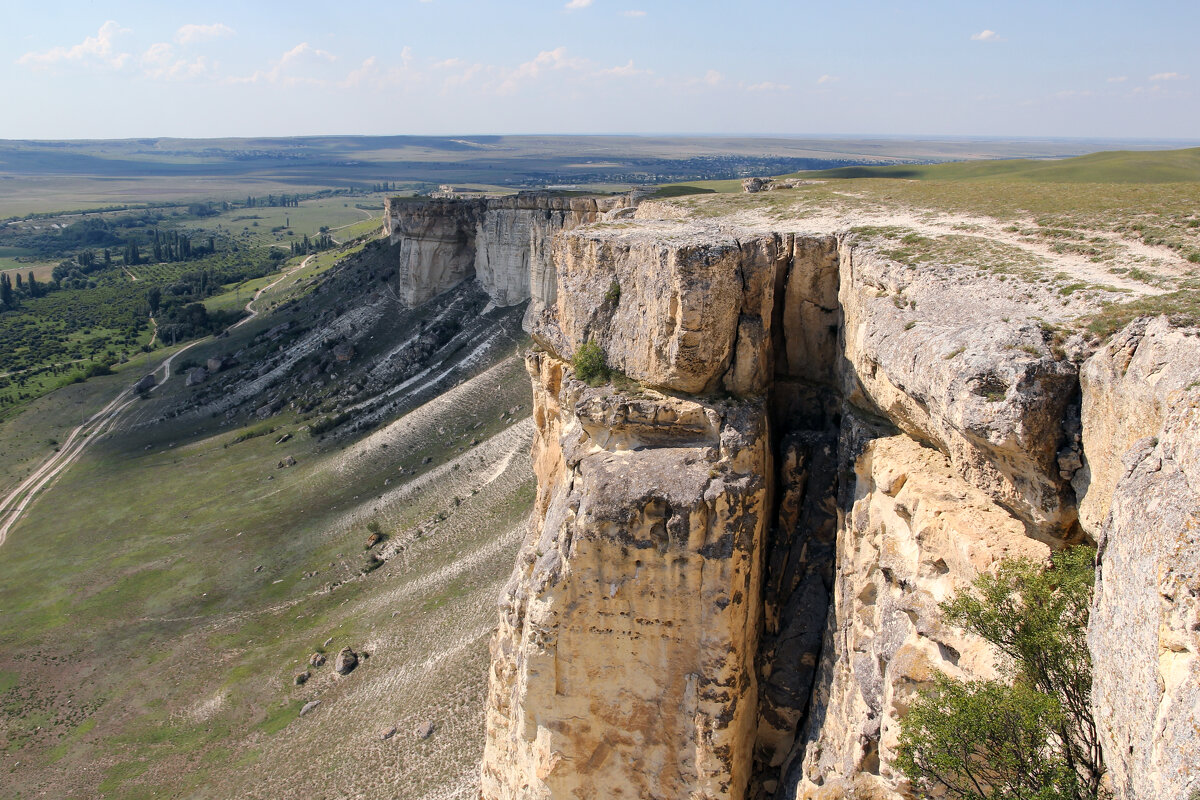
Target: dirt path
14, 504
251, 310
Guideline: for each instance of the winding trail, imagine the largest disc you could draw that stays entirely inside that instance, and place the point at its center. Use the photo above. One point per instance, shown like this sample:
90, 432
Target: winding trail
14, 504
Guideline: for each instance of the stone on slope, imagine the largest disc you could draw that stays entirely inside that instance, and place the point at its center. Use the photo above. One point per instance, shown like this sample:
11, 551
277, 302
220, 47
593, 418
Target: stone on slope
345, 662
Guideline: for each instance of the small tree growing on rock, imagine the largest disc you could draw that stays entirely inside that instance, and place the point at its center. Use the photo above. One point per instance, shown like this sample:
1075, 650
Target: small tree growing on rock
1030, 738
589, 363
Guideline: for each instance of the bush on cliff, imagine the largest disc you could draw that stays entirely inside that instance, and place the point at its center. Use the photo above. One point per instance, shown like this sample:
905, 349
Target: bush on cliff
1031, 737
589, 363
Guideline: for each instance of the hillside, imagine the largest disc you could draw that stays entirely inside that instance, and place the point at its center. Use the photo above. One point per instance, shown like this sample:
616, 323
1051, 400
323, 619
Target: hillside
1124, 166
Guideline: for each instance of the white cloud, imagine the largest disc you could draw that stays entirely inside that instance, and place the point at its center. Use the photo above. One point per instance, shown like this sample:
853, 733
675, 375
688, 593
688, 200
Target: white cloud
1118, 79
827, 79
986, 35
301, 55
1167, 76
159, 62
98, 49
195, 33
768, 86
625, 71
575, 5
546, 60
712, 77
634, 13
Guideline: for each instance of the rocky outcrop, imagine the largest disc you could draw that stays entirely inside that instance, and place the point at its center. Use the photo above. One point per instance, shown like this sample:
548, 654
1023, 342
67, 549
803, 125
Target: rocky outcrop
951, 365
914, 533
1141, 403
502, 242
514, 239
1127, 390
731, 585
624, 662
434, 242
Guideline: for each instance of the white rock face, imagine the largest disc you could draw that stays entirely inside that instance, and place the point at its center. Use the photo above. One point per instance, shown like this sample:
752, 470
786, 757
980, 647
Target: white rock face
1144, 632
916, 533
513, 239
625, 661
948, 364
434, 243
1127, 390
623, 666
504, 242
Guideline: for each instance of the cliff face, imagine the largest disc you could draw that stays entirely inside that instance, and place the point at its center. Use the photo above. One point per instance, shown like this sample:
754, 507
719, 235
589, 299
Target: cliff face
503, 243
731, 587
624, 662
1141, 439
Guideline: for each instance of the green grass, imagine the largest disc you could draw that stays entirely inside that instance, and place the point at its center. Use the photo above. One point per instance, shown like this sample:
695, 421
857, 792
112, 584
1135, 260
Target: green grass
1119, 166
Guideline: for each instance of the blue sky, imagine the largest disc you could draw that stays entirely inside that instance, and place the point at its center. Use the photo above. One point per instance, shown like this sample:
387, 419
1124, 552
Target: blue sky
251, 68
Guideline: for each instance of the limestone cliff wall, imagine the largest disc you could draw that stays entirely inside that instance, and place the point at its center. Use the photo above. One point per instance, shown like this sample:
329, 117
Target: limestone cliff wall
624, 662
731, 588
914, 533
503, 242
434, 243
1141, 437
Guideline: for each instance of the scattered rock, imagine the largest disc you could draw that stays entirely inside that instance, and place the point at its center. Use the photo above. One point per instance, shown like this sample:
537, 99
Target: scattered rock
427, 460
344, 351
309, 706
345, 662
424, 731
328, 641
389, 733
753, 185
259, 568
290, 461
283, 438
196, 376
301, 678
373, 540
316, 660
215, 364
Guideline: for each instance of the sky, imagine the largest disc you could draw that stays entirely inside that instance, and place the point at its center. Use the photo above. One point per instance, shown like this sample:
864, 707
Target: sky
1054, 68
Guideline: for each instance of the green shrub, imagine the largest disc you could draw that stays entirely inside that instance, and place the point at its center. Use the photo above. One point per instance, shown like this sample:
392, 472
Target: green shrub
1031, 737
613, 295
589, 363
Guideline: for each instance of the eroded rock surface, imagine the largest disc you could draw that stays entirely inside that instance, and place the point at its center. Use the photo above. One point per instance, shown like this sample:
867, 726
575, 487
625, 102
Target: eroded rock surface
732, 587
502, 242
1142, 411
624, 662
915, 532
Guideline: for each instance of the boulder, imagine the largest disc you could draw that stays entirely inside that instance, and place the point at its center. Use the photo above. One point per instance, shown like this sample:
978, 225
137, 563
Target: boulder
309, 707
196, 376
147, 383
345, 662
424, 731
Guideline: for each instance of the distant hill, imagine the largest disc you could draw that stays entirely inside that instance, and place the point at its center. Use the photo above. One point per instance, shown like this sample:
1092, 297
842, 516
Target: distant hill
1117, 166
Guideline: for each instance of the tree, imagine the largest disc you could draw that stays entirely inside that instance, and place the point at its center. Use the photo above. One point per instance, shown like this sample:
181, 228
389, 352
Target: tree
1040, 723
153, 299
589, 363
6, 291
